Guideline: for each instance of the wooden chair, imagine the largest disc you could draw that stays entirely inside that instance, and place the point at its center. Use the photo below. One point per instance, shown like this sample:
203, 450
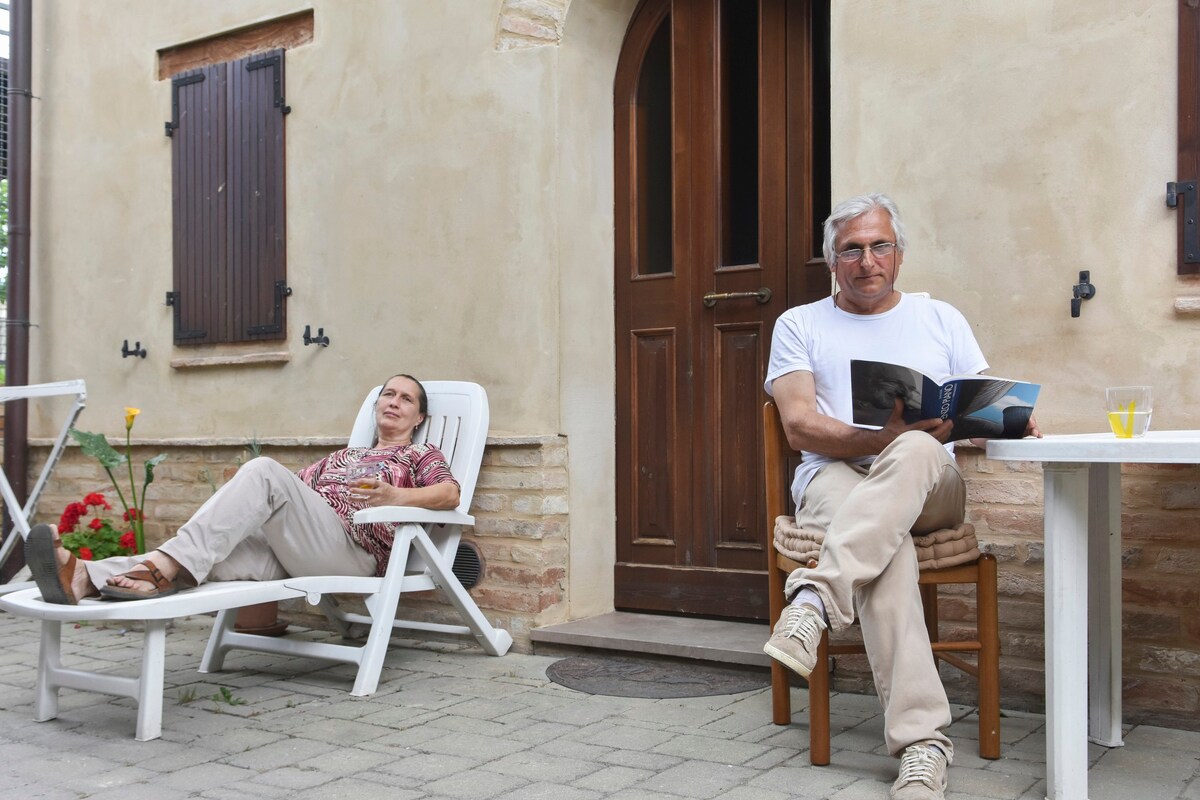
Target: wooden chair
981, 573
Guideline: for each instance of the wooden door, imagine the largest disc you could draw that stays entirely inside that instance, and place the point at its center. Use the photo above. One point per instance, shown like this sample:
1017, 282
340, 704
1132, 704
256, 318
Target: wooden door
721, 142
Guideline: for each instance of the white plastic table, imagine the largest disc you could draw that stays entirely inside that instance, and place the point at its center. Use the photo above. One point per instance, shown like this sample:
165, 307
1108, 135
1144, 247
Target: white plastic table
1082, 476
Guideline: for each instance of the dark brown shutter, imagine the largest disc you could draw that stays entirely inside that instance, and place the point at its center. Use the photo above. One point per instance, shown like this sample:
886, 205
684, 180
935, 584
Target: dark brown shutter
198, 202
229, 205
256, 198
1188, 175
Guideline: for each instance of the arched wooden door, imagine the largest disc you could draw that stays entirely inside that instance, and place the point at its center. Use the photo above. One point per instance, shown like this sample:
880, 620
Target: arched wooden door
721, 179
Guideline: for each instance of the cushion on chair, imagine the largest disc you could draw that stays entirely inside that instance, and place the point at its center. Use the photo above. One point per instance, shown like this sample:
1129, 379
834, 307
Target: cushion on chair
948, 547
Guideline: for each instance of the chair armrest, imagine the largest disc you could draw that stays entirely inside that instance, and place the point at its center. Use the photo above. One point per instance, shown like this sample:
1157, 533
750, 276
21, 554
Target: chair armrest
412, 514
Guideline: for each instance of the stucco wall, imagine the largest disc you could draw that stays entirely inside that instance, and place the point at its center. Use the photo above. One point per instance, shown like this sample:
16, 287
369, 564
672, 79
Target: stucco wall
1025, 141
449, 214
421, 184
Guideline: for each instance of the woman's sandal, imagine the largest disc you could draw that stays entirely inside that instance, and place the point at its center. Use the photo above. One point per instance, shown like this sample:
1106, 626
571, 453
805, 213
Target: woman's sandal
53, 580
146, 571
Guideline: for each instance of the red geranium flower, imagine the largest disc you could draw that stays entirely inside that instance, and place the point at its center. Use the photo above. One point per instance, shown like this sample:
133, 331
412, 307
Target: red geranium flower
128, 540
96, 524
70, 517
85, 553
131, 515
96, 499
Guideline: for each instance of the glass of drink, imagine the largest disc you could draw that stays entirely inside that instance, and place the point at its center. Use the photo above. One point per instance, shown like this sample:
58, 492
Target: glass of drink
358, 473
1128, 410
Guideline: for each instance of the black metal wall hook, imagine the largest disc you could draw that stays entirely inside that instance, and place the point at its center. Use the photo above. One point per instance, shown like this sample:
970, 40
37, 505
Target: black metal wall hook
137, 350
320, 338
1081, 291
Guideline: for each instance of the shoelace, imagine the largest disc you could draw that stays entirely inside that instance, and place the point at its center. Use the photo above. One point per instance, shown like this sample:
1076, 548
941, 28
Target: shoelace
797, 621
919, 764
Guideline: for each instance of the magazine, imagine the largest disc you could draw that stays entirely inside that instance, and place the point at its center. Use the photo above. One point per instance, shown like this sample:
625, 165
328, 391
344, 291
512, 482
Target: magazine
981, 406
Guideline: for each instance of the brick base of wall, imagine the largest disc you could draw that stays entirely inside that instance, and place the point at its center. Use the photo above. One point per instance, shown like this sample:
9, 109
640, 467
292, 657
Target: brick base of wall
520, 513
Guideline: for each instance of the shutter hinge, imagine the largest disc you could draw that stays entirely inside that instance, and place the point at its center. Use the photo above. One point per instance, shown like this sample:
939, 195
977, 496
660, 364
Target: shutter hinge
180, 334
275, 62
1191, 236
282, 290
173, 124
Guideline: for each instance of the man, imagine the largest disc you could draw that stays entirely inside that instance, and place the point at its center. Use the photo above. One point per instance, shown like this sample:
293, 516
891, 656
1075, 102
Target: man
869, 489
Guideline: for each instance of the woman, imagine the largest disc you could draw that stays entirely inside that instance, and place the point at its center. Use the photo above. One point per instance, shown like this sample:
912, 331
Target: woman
267, 523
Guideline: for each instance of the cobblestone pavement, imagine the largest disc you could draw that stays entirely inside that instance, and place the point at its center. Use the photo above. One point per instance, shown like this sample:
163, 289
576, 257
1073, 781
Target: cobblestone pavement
451, 722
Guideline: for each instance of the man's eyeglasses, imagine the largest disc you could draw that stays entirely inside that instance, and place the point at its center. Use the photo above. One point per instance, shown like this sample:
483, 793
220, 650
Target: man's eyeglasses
879, 250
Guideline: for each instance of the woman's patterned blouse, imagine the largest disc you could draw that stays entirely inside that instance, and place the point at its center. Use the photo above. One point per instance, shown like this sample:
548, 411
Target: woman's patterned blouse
406, 466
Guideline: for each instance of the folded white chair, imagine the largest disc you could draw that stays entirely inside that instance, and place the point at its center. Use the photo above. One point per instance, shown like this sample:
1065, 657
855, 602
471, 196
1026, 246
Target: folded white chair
422, 556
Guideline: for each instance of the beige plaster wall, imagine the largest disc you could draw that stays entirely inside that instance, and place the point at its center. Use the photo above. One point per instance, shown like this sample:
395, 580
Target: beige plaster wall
449, 214
591, 43
422, 215
1025, 141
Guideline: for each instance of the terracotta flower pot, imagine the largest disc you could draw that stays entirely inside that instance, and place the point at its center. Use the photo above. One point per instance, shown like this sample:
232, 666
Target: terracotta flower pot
261, 619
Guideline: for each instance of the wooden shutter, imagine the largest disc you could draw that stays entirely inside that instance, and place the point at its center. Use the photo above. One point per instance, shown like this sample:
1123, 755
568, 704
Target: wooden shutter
230, 282
1186, 194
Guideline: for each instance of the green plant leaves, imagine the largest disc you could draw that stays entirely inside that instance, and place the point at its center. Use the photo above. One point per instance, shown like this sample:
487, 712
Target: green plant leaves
151, 463
96, 446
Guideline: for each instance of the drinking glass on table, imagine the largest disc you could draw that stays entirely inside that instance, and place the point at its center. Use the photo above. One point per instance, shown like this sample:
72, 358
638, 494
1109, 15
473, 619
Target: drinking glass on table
1129, 409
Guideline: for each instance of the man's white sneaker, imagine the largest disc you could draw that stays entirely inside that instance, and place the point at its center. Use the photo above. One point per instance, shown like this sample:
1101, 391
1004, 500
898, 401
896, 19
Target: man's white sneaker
794, 641
922, 774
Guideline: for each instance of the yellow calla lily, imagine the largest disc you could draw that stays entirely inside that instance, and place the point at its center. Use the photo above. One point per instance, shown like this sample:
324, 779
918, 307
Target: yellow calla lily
130, 413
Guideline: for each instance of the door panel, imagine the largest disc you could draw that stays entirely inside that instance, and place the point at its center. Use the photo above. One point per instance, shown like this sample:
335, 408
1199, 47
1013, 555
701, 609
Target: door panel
710, 221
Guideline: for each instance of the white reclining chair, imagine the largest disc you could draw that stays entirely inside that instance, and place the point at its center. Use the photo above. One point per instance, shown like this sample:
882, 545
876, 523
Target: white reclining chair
422, 556
20, 515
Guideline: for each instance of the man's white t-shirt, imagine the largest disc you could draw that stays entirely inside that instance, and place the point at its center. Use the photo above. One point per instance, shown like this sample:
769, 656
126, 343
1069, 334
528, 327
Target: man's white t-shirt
921, 333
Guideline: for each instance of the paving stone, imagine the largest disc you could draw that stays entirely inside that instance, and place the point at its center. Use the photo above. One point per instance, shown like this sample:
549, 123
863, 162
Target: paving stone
475, 784
623, 736
542, 767
711, 749
204, 776
611, 779
550, 791
358, 789
280, 754
989, 783
426, 767
697, 779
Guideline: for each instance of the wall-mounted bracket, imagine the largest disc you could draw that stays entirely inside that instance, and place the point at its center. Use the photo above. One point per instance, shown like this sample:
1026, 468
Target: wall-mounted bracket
1081, 291
320, 338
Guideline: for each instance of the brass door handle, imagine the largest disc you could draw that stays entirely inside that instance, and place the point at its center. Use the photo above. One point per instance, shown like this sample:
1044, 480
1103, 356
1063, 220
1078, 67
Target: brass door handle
763, 295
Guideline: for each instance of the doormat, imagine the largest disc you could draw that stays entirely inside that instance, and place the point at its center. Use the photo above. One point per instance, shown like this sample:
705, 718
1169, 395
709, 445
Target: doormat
654, 678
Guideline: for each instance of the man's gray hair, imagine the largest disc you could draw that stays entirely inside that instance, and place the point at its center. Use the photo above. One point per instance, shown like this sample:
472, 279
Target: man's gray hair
855, 207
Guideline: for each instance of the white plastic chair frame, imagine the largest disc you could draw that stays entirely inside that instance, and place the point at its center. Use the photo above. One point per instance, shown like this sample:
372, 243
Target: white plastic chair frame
21, 514
421, 559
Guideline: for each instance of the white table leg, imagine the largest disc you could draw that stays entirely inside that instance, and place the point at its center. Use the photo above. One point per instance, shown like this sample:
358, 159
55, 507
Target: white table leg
1104, 615
1066, 537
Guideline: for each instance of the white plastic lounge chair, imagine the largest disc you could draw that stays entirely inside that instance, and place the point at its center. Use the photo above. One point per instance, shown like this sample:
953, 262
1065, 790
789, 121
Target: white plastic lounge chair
20, 515
422, 556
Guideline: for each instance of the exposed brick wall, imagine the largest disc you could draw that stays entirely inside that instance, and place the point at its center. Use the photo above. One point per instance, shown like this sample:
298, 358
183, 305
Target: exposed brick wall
520, 511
